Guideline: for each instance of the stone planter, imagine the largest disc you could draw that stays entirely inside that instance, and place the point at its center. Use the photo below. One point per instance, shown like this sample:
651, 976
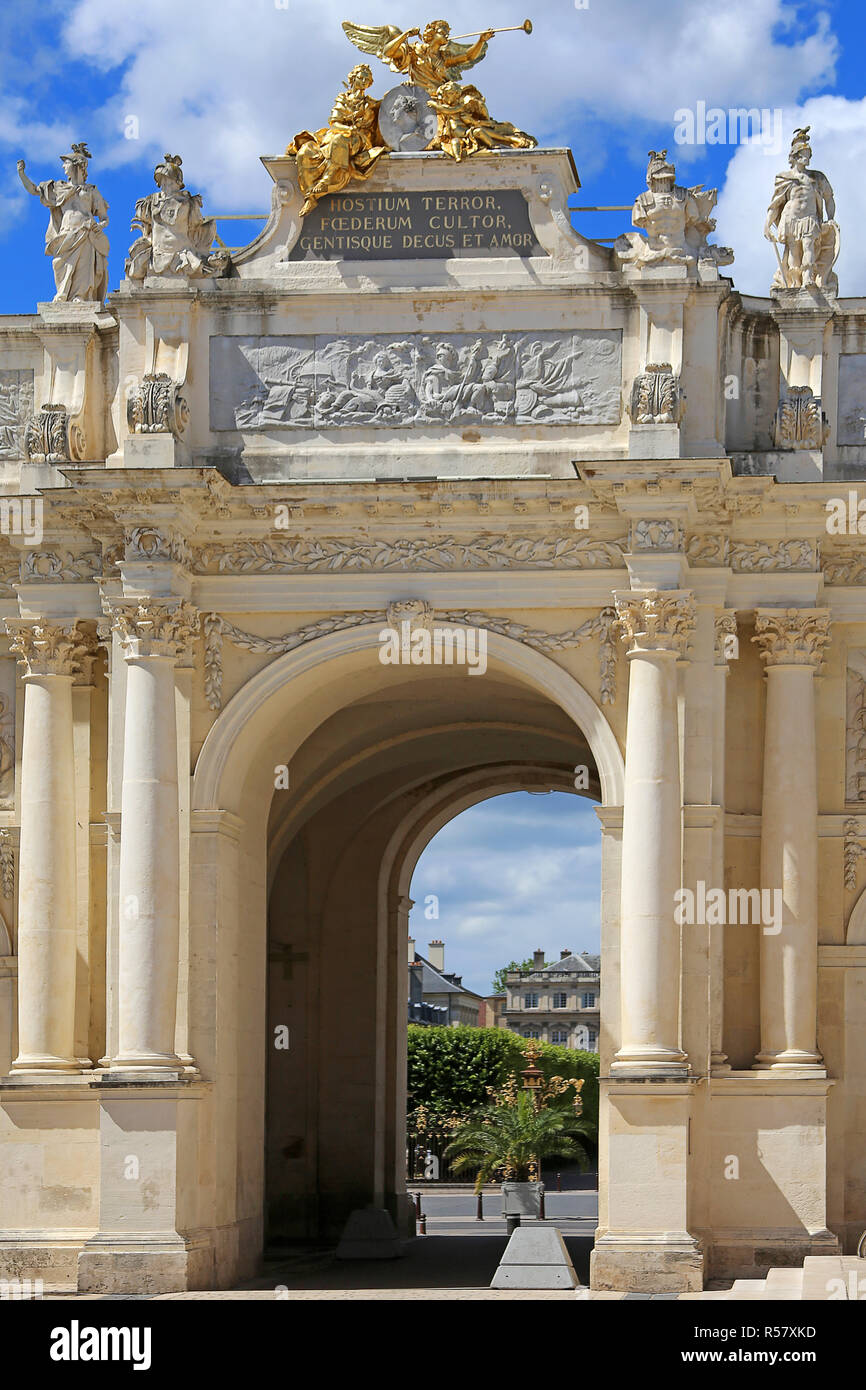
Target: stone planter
521, 1198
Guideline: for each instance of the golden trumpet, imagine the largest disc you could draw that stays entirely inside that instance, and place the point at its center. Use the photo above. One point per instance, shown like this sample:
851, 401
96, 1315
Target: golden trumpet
526, 26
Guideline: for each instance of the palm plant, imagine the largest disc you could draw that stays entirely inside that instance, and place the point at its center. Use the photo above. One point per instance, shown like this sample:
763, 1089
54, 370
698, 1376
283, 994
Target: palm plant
509, 1139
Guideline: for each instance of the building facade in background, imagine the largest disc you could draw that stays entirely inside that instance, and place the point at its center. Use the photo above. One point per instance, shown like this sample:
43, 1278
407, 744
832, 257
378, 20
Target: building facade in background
558, 1003
436, 997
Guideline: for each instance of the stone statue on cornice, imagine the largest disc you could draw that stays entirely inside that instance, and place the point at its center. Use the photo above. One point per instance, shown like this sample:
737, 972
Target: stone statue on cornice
676, 220
75, 239
176, 239
801, 219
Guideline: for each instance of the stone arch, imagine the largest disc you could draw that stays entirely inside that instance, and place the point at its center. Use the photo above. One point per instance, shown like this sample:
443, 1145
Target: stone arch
341, 914
856, 934
297, 677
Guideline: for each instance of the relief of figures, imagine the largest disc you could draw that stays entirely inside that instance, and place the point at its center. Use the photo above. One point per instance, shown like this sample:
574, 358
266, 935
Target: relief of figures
16, 407
545, 378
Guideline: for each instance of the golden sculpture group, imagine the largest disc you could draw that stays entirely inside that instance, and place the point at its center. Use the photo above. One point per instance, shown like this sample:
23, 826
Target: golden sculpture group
351, 144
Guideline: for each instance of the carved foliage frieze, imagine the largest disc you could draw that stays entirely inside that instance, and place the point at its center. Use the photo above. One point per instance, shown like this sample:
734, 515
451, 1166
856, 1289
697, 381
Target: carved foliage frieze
332, 554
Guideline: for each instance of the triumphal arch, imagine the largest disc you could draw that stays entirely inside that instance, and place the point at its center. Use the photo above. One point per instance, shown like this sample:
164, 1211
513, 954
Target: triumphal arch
421, 413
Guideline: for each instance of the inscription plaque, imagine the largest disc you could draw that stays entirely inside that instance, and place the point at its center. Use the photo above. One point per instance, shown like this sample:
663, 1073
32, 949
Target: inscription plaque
417, 226
541, 377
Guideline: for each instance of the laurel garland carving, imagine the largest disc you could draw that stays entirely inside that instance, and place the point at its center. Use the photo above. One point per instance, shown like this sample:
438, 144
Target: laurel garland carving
217, 629
334, 553
854, 849
7, 864
751, 557
845, 568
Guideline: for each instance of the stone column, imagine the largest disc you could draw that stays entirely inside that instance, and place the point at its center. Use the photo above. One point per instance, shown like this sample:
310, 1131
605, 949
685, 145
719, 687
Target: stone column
152, 634
50, 653
656, 625
791, 642
726, 648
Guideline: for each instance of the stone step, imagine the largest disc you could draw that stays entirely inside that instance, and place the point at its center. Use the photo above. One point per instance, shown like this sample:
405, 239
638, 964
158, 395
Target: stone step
784, 1284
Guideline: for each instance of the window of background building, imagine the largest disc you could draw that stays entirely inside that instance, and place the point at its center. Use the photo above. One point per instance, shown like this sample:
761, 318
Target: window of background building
587, 1000
560, 1001
530, 1000
559, 1035
592, 1037
531, 1033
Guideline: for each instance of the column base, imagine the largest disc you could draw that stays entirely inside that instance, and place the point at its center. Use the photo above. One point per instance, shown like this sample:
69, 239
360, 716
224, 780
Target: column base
672, 1263
146, 1061
139, 1263
791, 1059
645, 1061
45, 1062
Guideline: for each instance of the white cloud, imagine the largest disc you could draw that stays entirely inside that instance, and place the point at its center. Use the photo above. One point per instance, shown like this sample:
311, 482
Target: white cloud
225, 82
838, 139
511, 874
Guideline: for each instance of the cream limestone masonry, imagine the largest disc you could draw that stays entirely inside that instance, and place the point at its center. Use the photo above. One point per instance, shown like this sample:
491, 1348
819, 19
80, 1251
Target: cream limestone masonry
616, 466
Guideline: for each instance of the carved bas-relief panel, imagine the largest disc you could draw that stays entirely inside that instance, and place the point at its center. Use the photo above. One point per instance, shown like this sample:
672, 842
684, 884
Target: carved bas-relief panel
393, 381
16, 407
851, 415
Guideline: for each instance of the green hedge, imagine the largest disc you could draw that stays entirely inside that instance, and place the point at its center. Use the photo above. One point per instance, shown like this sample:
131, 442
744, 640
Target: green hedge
450, 1068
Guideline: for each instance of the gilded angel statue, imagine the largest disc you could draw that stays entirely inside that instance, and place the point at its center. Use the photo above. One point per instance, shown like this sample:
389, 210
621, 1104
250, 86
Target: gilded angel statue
427, 57
346, 148
466, 126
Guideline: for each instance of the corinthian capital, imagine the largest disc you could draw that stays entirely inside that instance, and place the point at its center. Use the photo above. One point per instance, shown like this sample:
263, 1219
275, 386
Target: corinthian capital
655, 620
151, 627
792, 636
48, 649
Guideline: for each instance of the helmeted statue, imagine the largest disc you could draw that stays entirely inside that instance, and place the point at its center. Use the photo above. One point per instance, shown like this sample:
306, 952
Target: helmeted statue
802, 212
75, 239
677, 221
176, 239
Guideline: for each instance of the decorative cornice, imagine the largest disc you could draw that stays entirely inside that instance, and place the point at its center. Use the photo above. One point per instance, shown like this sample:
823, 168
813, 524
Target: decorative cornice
149, 628
657, 620
792, 636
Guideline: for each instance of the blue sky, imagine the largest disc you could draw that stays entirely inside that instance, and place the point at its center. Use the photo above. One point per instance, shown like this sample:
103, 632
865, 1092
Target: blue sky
223, 81
514, 873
